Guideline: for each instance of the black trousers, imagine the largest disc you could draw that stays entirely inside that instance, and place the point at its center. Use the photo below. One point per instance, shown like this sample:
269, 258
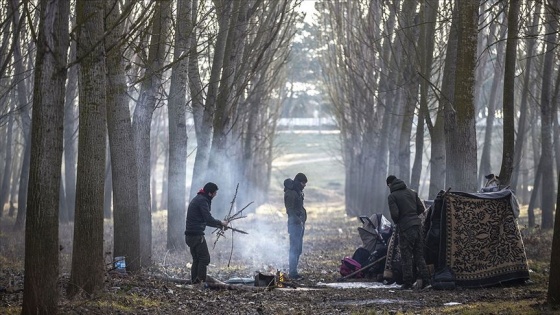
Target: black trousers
200, 255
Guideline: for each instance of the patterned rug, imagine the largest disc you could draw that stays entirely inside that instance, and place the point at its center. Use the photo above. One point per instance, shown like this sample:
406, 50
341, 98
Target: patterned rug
483, 244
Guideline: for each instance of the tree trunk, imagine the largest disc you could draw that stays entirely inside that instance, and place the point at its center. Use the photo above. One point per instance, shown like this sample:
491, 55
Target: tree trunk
177, 170
509, 93
547, 189
460, 121
143, 114
41, 229
522, 130
88, 266
23, 107
126, 235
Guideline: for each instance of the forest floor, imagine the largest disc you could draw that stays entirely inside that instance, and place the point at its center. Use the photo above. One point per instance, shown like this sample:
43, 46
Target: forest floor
330, 236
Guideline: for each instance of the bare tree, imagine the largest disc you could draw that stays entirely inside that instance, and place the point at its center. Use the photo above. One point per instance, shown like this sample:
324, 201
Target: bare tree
143, 113
509, 93
23, 107
87, 255
177, 188
460, 119
41, 228
126, 222
546, 162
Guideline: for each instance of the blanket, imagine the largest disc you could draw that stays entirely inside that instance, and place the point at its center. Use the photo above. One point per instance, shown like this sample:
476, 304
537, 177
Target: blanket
482, 242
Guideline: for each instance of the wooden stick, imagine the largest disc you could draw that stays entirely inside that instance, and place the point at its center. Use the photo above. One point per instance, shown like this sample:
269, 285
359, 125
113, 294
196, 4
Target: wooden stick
361, 269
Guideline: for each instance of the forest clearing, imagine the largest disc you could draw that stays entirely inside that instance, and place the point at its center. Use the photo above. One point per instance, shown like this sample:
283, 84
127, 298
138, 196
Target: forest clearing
331, 235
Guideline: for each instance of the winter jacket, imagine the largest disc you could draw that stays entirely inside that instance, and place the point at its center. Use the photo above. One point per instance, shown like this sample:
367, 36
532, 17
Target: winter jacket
293, 200
198, 215
404, 205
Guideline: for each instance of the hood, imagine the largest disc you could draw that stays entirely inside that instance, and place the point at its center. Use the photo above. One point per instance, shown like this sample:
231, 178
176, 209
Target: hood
397, 184
288, 184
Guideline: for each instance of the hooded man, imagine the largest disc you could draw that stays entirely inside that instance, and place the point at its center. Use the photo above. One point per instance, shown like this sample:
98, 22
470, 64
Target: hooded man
405, 207
198, 217
297, 215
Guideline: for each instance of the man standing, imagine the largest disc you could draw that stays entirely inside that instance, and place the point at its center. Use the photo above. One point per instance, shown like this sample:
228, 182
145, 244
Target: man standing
405, 207
297, 215
198, 217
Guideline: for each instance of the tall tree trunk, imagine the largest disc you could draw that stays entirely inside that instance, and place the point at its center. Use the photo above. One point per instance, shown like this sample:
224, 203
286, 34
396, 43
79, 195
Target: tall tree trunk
461, 139
522, 130
143, 114
547, 189
177, 170
509, 93
41, 229
23, 108
126, 222
88, 266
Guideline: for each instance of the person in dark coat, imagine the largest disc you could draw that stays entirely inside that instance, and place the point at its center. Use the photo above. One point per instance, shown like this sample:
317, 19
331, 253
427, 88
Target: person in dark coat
297, 215
405, 207
198, 217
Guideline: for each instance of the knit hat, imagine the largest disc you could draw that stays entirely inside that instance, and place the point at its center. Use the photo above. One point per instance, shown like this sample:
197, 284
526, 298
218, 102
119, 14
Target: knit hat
300, 177
390, 179
210, 187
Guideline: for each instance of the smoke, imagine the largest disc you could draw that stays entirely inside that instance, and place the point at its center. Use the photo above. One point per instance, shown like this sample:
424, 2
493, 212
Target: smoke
265, 248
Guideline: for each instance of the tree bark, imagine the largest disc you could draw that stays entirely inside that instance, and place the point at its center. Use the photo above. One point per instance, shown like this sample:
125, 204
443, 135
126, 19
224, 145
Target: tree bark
126, 222
547, 189
460, 121
143, 114
88, 266
23, 108
41, 228
177, 170
509, 93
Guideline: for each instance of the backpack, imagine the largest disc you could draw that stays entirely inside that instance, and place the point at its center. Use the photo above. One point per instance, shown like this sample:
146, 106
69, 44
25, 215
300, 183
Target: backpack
349, 265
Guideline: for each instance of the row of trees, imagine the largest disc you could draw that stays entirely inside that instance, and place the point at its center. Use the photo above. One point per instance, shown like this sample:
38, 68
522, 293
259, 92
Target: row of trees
444, 92
98, 71
409, 79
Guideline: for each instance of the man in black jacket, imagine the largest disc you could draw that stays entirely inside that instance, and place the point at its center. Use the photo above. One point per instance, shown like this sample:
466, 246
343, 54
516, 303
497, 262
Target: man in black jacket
198, 217
297, 215
405, 207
